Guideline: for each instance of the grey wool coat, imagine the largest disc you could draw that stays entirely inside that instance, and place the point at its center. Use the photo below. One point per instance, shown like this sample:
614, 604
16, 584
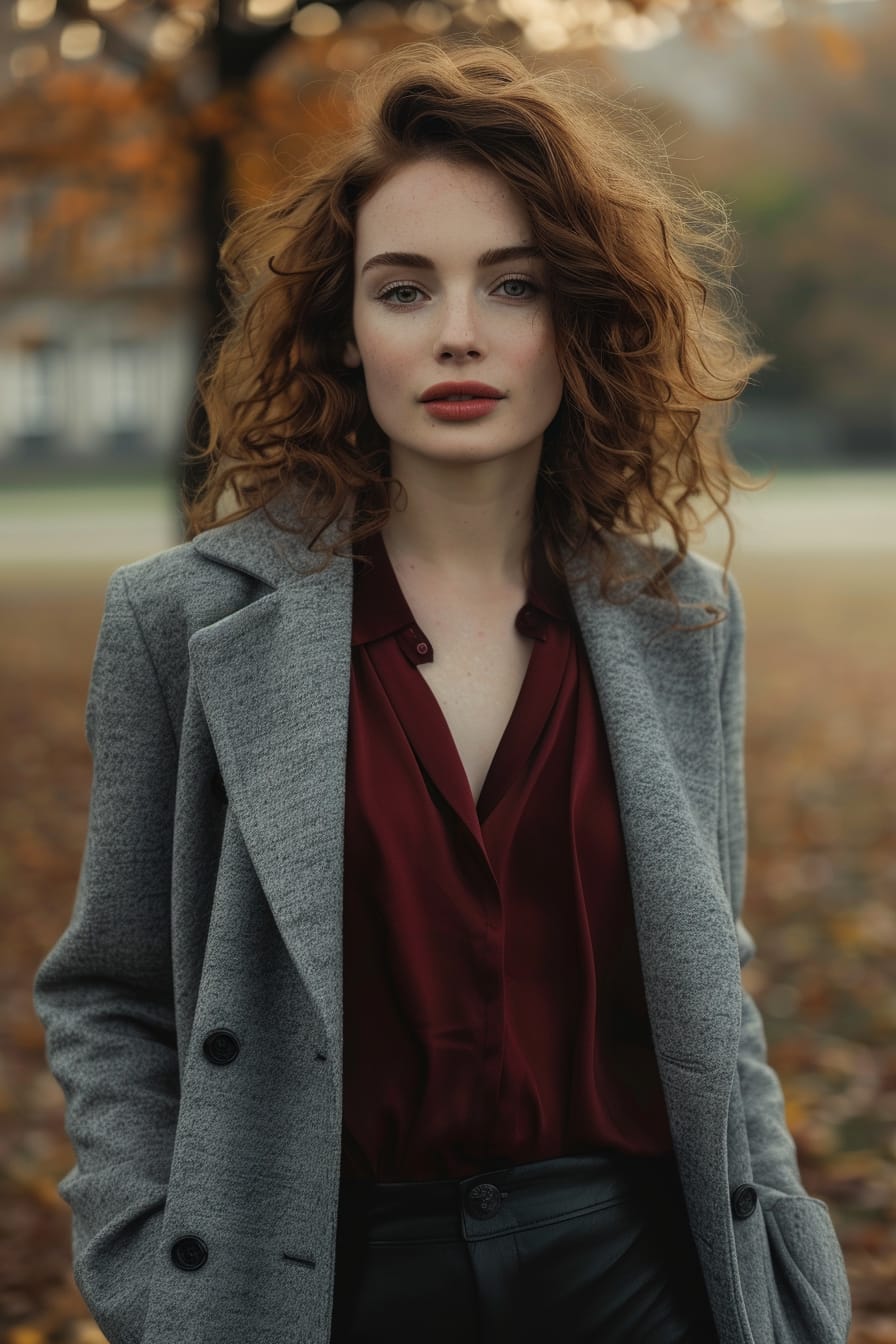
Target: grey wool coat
193, 1004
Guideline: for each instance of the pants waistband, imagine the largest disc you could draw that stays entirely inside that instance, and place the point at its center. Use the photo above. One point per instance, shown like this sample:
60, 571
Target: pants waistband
509, 1196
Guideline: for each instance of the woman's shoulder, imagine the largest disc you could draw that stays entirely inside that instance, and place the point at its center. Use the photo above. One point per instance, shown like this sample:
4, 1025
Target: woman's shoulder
177, 591
707, 577
697, 579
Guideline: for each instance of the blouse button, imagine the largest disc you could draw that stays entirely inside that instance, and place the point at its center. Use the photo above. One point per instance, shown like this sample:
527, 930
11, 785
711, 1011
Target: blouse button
422, 648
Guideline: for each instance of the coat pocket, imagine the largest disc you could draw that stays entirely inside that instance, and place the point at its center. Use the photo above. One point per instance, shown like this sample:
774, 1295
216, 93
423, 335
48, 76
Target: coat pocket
809, 1270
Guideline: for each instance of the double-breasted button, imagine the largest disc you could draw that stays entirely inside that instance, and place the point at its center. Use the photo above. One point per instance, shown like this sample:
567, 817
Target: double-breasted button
220, 1047
189, 1252
743, 1200
483, 1201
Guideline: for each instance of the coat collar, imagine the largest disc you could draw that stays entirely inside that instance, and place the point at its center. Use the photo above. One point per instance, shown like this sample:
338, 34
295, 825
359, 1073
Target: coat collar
273, 678
255, 546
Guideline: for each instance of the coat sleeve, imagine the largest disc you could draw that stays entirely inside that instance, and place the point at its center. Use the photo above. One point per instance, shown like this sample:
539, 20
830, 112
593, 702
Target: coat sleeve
104, 991
812, 1300
772, 1149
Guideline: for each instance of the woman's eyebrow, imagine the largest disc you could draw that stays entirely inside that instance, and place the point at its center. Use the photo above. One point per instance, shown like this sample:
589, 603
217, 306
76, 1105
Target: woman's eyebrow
421, 263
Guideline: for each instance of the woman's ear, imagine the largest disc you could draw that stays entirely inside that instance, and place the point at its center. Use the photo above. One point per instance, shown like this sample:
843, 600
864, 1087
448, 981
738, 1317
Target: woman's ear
352, 355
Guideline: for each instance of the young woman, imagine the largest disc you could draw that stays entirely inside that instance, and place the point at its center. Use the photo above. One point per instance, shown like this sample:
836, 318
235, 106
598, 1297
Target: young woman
401, 999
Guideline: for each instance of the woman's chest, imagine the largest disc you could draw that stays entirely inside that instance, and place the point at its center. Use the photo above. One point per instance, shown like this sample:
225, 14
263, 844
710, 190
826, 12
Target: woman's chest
478, 668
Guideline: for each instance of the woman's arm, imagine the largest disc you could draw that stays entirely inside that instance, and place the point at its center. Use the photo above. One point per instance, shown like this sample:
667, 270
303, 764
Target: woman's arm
811, 1304
772, 1149
104, 991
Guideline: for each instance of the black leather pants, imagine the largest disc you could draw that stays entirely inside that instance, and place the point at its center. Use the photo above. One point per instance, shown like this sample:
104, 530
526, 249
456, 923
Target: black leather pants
576, 1250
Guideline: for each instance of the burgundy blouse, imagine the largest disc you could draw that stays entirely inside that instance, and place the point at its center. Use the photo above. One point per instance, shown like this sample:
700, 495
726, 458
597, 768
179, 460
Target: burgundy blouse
494, 1008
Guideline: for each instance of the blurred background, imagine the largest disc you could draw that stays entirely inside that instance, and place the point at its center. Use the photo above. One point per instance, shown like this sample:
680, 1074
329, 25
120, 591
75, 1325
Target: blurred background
130, 132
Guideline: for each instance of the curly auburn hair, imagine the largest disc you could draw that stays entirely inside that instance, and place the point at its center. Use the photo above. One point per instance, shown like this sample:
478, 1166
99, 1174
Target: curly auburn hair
639, 264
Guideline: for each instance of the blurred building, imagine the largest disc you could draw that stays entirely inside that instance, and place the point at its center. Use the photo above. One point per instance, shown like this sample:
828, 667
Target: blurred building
98, 338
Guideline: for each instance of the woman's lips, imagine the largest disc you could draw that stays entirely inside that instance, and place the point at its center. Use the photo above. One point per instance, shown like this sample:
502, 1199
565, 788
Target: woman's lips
467, 387
462, 410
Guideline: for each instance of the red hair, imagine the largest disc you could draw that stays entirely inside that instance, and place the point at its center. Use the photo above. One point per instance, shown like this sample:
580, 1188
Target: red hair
649, 334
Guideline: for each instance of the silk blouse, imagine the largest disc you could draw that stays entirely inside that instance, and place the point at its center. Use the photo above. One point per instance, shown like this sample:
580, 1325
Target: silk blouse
494, 1007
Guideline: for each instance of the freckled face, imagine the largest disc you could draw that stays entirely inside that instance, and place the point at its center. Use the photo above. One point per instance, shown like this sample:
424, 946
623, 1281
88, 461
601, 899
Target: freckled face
459, 320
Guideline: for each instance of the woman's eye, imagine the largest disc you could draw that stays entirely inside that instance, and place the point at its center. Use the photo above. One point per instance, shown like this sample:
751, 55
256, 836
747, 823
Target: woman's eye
520, 280
396, 289
406, 286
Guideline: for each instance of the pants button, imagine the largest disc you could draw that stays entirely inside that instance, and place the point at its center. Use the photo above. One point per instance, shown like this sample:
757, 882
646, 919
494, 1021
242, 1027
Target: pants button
483, 1201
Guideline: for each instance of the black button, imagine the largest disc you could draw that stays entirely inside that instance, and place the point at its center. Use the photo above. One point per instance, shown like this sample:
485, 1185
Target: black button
189, 1253
483, 1201
221, 1047
743, 1200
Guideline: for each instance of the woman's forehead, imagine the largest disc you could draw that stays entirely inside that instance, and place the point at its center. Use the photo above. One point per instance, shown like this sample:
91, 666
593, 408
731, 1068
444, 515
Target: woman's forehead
445, 206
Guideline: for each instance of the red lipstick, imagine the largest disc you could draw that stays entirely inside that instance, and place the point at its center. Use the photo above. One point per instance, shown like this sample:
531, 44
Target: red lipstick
461, 401
439, 391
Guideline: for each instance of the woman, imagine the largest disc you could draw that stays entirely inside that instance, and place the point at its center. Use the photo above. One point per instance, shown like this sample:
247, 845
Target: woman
401, 999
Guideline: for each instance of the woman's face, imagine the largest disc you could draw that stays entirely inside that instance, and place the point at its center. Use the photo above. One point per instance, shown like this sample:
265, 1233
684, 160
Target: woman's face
417, 325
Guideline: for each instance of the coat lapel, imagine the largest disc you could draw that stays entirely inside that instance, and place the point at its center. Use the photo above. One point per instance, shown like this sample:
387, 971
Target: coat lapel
274, 680
660, 704
274, 676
